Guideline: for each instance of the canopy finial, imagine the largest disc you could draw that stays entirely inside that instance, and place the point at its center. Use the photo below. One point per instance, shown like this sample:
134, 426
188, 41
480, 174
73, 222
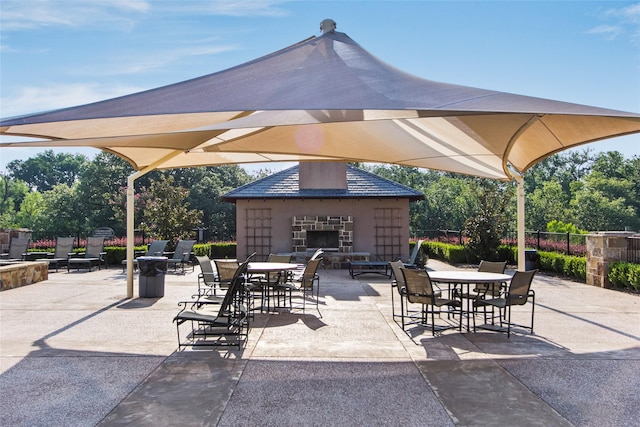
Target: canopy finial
327, 26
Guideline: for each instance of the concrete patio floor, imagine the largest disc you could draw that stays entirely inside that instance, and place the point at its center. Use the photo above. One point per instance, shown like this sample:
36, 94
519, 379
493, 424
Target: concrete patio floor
75, 351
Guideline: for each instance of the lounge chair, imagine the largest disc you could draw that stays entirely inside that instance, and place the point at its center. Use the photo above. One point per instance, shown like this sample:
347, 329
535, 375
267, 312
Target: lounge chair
225, 326
92, 256
182, 255
417, 248
17, 249
156, 248
64, 246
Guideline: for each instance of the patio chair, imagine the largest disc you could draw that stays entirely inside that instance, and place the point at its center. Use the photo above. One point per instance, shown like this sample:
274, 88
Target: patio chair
518, 293
417, 248
64, 246
156, 248
296, 275
17, 249
304, 285
399, 285
318, 253
225, 271
228, 324
93, 255
206, 277
419, 290
481, 290
182, 255
221, 278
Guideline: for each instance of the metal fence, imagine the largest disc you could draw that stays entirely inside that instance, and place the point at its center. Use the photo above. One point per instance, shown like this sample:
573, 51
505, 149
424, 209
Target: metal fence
633, 249
567, 243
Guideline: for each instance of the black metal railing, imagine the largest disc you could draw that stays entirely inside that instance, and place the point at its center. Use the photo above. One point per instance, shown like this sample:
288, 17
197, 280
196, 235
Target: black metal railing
567, 243
633, 249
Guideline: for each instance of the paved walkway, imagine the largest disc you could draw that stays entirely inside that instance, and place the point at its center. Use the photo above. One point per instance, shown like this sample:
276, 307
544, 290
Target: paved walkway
75, 352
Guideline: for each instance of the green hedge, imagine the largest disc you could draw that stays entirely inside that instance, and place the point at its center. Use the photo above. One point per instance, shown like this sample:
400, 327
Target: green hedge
453, 254
115, 254
568, 265
624, 275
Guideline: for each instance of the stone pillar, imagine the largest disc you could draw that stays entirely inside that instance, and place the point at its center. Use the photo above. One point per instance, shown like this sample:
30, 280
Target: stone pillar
603, 248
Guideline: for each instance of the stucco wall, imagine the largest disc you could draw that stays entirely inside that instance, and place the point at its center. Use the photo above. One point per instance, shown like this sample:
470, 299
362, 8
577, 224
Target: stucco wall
362, 211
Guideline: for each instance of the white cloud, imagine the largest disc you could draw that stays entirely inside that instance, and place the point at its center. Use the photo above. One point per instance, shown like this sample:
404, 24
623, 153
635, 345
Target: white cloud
630, 13
165, 58
34, 99
25, 15
609, 31
227, 7
625, 23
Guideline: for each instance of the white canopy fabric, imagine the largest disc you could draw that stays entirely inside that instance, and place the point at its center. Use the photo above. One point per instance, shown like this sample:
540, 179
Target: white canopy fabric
325, 98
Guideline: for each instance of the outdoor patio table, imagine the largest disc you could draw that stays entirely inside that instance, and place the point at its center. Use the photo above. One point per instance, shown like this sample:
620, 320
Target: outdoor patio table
464, 279
266, 268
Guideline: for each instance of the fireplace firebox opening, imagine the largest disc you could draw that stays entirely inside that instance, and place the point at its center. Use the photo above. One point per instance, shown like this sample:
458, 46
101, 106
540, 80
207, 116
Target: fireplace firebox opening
327, 239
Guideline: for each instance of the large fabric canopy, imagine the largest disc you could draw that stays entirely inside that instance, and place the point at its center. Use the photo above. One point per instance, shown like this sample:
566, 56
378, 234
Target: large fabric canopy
325, 98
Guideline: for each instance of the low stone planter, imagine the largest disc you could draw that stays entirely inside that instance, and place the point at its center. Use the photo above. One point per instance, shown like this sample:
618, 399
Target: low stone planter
16, 274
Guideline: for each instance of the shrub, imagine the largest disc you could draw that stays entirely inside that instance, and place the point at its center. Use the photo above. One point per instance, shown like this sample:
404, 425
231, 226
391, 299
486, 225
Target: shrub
568, 265
624, 275
454, 254
223, 250
508, 253
115, 254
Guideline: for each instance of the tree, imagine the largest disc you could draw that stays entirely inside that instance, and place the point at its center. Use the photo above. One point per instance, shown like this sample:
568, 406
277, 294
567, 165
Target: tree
99, 181
12, 192
563, 168
31, 210
218, 216
488, 225
167, 214
595, 212
47, 169
448, 204
546, 204
61, 216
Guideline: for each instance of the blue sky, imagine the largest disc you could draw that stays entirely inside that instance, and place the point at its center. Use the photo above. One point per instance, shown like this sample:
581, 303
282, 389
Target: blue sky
60, 53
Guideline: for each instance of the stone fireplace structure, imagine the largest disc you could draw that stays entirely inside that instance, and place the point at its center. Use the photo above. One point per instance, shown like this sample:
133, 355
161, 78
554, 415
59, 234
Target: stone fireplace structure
352, 214
332, 233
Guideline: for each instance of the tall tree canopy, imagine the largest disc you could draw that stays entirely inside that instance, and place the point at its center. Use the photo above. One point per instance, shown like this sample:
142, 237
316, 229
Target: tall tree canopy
43, 171
62, 194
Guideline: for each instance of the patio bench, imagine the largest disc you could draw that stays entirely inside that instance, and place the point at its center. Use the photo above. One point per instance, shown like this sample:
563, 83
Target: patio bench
357, 268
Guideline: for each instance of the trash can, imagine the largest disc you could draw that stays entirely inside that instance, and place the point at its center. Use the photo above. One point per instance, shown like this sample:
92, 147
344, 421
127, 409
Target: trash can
530, 259
152, 272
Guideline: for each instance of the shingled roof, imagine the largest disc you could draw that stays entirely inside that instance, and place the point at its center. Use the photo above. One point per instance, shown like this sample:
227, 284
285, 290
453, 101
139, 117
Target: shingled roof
360, 185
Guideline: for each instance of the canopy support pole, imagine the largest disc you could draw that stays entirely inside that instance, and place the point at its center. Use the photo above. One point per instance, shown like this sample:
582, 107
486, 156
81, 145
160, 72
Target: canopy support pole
131, 212
521, 232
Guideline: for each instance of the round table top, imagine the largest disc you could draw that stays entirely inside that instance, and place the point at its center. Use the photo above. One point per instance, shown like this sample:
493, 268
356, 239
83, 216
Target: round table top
467, 276
265, 267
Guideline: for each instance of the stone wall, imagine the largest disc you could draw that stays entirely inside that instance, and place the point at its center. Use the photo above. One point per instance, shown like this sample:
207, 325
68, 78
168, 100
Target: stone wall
603, 248
16, 274
342, 224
